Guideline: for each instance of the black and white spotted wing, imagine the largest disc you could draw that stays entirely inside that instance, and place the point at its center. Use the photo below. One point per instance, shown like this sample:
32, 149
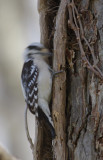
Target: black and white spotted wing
29, 78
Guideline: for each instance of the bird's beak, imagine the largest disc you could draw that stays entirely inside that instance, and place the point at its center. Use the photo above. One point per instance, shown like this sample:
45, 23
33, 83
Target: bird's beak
48, 54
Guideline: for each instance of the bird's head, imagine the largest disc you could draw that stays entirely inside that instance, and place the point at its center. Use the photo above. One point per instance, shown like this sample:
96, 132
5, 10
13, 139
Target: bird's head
36, 50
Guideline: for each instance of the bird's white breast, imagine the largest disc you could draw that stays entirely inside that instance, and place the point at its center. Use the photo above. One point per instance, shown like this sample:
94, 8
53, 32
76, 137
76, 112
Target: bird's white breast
44, 81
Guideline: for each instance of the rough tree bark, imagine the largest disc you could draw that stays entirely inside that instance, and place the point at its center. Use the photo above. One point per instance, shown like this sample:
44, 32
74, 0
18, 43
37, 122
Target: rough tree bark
77, 101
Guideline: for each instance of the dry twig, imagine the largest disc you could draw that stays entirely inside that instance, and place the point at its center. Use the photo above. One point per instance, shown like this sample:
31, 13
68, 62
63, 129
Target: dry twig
27, 130
28, 135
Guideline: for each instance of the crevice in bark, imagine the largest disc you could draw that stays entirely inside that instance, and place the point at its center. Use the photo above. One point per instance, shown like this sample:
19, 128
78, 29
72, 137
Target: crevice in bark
52, 10
83, 126
95, 135
68, 106
47, 11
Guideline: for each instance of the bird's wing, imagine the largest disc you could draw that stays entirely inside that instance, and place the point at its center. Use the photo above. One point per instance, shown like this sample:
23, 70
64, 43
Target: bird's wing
29, 78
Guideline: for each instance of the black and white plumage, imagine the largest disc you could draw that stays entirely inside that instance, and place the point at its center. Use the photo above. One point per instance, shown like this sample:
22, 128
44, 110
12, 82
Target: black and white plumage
36, 81
29, 80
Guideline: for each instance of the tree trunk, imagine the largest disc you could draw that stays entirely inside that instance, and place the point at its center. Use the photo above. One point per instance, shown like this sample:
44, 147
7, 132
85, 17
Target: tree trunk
73, 31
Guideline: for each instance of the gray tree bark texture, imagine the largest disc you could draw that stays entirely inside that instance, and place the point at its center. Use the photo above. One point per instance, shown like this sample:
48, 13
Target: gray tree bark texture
77, 100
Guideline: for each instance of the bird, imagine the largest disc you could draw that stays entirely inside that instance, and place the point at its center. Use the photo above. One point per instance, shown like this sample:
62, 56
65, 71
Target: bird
36, 82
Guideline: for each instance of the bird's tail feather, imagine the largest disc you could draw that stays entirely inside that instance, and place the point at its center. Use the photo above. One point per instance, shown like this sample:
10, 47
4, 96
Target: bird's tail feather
41, 115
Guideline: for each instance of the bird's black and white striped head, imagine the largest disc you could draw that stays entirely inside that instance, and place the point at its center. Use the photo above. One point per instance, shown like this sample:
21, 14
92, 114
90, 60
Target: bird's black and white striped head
36, 50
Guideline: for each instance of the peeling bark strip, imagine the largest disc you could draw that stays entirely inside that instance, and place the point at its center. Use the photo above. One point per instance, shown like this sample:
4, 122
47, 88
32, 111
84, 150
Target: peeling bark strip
59, 86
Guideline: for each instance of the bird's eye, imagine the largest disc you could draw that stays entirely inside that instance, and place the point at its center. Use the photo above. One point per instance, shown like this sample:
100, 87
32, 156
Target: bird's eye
34, 47
30, 54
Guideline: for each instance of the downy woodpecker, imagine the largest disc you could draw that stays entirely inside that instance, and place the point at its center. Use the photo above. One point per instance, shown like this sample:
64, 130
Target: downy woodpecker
36, 81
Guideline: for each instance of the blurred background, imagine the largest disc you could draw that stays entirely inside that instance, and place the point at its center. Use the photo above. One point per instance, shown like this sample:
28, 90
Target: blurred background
19, 26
